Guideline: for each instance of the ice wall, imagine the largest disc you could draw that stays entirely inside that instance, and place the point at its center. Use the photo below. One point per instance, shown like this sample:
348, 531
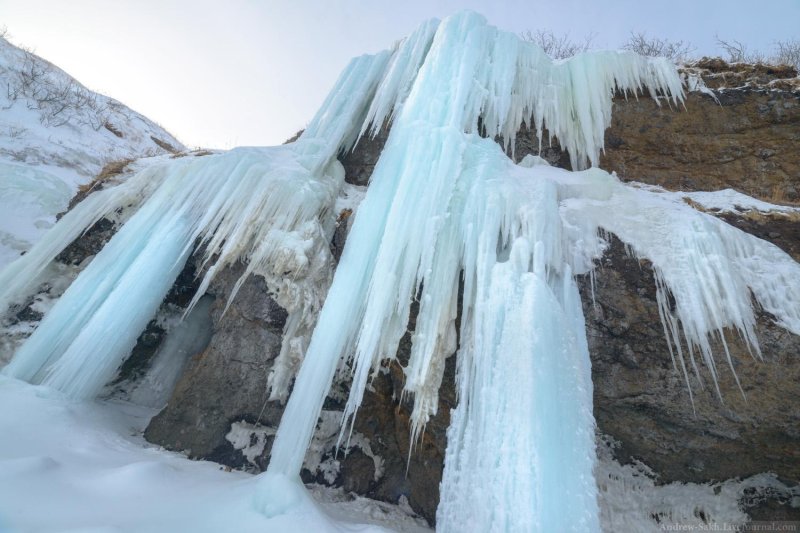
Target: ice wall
445, 203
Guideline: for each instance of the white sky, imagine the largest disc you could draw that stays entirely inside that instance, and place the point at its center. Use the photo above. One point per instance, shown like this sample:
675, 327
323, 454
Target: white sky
252, 72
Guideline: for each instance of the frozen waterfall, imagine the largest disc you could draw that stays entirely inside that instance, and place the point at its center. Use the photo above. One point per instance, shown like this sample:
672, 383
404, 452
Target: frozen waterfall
449, 221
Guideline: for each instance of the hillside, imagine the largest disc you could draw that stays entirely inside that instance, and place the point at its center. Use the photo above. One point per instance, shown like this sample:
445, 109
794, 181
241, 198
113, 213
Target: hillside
56, 136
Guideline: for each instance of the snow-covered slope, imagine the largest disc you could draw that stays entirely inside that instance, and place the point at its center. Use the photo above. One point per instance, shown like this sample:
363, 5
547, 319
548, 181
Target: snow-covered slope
56, 135
85, 467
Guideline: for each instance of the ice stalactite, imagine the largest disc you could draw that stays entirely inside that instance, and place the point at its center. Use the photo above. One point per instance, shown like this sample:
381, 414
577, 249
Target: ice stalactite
444, 203
707, 271
270, 207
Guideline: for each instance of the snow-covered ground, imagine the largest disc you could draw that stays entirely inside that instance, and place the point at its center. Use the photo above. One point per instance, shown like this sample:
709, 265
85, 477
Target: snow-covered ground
725, 201
56, 135
84, 466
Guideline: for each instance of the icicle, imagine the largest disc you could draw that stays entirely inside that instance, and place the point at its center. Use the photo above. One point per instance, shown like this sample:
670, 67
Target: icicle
400, 75
272, 207
708, 267
521, 400
18, 279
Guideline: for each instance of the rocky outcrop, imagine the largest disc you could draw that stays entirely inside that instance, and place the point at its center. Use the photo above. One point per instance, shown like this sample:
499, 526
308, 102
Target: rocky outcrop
225, 387
717, 73
746, 140
641, 398
227, 382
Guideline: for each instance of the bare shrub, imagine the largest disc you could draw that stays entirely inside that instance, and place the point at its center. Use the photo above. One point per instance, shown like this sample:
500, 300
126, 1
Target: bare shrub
58, 98
738, 52
558, 46
788, 53
644, 45
785, 52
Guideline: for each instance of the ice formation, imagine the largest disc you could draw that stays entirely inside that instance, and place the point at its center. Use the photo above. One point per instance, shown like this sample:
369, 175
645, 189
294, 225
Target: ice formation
182, 341
272, 207
448, 221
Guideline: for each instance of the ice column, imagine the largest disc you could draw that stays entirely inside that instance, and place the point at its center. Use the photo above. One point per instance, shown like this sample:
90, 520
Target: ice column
520, 446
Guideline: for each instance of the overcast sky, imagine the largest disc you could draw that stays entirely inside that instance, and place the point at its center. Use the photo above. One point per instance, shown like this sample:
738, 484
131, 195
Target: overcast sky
249, 72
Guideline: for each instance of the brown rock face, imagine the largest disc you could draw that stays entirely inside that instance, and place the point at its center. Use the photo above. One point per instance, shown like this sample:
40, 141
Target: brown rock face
386, 422
642, 400
227, 382
747, 141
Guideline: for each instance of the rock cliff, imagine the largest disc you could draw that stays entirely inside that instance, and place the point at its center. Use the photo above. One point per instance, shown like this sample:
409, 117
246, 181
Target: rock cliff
744, 138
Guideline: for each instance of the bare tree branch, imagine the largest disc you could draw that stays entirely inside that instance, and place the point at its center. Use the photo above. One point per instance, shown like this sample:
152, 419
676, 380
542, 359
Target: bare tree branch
557, 46
644, 45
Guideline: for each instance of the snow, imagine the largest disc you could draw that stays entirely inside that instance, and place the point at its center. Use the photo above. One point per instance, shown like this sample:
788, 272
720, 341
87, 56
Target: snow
724, 201
83, 466
250, 439
631, 499
59, 277
43, 162
446, 210
730, 201
37, 195
325, 439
